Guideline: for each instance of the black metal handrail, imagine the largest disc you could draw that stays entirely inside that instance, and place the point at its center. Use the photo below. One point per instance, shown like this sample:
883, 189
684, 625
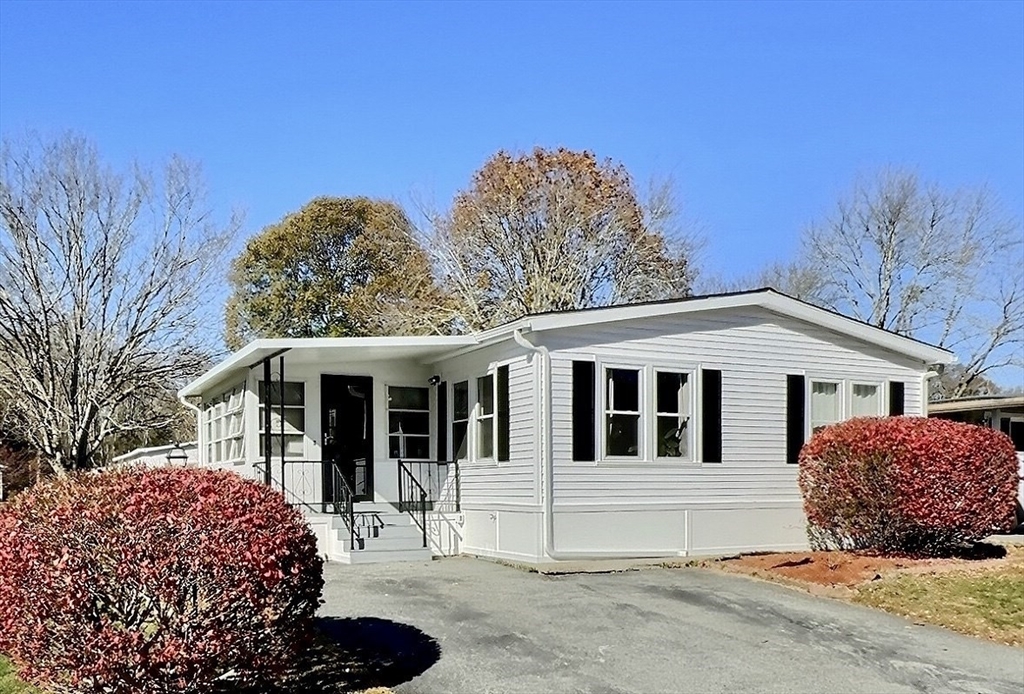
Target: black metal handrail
412, 497
348, 506
319, 485
441, 480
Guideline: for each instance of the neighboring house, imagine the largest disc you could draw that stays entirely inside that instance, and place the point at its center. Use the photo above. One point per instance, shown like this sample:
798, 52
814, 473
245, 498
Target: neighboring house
659, 429
158, 456
1002, 412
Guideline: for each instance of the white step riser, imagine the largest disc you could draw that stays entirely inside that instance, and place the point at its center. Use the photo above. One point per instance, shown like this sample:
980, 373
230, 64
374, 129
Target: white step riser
371, 557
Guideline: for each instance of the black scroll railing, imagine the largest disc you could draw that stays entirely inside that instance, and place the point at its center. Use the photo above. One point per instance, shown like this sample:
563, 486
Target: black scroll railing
320, 486
428, 485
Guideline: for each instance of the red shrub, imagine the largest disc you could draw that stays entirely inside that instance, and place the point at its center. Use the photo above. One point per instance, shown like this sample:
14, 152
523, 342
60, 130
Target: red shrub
153, 581
907, 485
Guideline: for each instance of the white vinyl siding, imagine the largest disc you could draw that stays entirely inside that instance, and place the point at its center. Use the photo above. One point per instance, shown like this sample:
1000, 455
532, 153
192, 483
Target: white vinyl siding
755, 350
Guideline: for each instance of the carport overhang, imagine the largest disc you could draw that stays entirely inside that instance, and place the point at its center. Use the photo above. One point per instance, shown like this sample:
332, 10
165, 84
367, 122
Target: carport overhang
304, 351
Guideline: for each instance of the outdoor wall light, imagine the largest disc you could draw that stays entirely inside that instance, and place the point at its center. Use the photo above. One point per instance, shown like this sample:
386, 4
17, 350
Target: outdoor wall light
177, 455
434, 380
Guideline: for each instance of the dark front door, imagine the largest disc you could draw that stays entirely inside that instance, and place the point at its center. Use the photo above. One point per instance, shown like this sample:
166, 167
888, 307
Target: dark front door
346, 406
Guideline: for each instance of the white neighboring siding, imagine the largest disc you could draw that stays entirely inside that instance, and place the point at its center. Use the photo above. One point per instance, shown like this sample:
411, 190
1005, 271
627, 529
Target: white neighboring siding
513, 483
755, 350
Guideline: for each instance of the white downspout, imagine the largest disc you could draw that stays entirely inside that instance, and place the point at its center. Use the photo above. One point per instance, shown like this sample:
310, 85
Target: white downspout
925, 390
200, 444
547, 471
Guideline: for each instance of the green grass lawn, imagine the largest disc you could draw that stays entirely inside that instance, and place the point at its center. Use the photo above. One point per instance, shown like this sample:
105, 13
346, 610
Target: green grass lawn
987, 603
9, 682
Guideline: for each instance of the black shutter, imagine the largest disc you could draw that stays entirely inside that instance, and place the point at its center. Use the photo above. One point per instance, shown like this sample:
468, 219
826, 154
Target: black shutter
1004, 425
711, 415
896, 403
442, 421
503, 414
583, 431
795, 423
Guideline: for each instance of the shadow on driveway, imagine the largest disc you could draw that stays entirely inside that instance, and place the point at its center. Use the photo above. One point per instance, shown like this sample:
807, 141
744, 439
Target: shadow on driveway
355, 653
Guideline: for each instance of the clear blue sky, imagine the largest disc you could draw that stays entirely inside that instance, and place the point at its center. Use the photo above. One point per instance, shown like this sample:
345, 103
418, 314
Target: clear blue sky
762, 112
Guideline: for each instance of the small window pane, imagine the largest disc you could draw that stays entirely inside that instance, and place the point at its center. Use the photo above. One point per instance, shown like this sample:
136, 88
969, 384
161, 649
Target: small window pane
294, 419
459, 431
485, 394
408, 422
670, 388
485, 439
294, 393
623, 389
403, 398
623, 435
866, 402
293, 444
415, 447
460, 400
673, 438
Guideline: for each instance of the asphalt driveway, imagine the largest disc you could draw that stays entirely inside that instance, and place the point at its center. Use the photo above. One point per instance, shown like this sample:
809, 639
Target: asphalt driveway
498, 629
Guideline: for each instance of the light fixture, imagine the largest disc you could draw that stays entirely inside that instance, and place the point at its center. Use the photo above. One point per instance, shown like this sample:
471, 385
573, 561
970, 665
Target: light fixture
177, 455
434, 380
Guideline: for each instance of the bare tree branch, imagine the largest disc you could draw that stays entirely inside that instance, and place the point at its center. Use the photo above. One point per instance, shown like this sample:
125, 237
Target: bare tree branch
104, 277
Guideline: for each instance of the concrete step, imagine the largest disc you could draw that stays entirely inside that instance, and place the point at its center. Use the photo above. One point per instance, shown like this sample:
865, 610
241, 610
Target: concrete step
370, 556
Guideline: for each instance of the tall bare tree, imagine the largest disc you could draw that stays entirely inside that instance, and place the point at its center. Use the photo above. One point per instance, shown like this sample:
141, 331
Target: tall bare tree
942, 266
104, 282
555, 230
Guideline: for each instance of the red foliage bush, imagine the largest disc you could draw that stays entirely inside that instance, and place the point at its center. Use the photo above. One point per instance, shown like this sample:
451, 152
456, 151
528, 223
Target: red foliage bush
907, 485
154, 581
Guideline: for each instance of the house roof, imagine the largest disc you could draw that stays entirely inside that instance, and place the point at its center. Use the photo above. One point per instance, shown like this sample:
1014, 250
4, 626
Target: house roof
430, 349
320, 349
976, 402
766, 298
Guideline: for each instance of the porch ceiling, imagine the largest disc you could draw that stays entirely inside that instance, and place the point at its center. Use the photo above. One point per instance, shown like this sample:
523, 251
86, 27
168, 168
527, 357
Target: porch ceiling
325, 350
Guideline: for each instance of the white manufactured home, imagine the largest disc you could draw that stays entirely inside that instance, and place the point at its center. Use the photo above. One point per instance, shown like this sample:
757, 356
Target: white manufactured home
652, 430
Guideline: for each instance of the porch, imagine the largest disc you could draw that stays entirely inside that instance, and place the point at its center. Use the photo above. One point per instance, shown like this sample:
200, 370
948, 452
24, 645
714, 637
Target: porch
425, 520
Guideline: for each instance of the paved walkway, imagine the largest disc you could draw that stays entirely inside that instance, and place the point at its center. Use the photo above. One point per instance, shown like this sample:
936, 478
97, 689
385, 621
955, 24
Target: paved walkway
506, 631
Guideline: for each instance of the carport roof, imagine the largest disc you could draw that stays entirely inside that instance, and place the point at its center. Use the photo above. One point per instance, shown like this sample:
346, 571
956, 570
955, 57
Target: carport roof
320, 349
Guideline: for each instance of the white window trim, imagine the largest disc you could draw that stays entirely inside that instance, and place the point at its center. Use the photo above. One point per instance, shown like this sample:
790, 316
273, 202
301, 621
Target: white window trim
691, 378
840, 384
642, 402
220, 412
882, 396
431, 405
261, 422
478, 417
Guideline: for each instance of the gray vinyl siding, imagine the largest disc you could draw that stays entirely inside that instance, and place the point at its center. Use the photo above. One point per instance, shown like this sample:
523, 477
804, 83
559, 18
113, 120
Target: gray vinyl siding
755, 350
512, 483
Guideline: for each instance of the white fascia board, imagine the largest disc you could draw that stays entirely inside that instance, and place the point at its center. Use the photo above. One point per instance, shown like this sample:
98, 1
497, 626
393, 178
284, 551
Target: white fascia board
767, 299
793, 308
258, 350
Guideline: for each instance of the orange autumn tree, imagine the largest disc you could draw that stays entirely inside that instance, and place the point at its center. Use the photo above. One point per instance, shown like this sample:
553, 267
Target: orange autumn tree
556, 230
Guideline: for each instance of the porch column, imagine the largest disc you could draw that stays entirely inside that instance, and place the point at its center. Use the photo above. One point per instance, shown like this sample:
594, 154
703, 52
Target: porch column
267, 412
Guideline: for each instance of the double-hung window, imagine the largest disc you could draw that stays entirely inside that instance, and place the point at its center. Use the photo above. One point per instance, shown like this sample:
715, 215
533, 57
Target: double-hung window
408, 422
485, 417
293, 400
460, 420
674, 433
622, 412
826, 407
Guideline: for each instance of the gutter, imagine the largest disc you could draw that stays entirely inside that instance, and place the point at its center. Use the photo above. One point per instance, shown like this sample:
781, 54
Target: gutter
547, 473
